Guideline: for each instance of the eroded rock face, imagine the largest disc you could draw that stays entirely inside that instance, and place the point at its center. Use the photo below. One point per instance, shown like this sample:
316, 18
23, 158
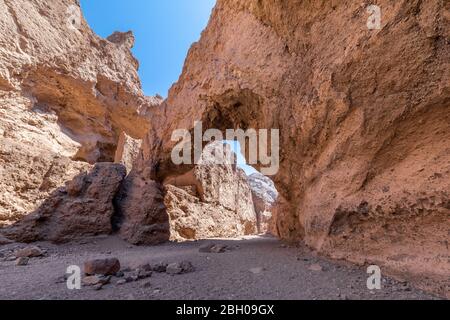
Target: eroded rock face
83, 208
213, 200
264, 196
66, 96
141, 213
127, 151
363, 118
35, 157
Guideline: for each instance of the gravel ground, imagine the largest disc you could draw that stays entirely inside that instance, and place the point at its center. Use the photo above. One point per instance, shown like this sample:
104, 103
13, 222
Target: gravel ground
279, 272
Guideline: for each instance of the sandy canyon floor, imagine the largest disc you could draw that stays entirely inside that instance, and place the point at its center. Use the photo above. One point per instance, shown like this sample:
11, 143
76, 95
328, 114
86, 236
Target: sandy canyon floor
253, 268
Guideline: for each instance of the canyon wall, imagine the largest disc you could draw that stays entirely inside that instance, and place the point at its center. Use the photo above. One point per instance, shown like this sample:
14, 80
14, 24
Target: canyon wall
214, 200
264, 195
363, 117
66, 97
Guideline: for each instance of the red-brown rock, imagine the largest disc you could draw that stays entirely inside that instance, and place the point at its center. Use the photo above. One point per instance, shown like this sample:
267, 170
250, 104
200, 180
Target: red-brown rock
104, 267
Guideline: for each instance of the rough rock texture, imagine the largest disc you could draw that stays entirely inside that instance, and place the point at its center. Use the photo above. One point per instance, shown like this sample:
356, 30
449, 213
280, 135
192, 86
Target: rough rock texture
213, 200
127, 151
264, 196
66, 95
35, 157
363, 116
83, 208
141, 214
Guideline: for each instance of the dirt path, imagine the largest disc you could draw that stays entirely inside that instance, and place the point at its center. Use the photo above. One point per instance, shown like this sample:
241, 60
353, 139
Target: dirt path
286, 273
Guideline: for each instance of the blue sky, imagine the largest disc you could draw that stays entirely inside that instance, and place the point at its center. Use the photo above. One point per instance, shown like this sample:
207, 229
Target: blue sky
164, 31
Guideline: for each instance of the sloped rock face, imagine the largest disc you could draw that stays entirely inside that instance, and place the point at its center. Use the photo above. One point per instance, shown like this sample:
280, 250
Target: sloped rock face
35, 157
264, 196
83, 208
213, 200
127, 151
141, 215
363, 118
66, 96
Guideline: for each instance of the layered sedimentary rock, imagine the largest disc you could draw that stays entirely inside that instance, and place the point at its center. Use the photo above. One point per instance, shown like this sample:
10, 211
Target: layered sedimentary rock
363, 116
66, 96
211, 201
264, 196
83, 208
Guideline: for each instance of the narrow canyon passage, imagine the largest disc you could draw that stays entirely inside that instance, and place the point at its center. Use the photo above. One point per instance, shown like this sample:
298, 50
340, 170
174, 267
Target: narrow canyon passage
357, 120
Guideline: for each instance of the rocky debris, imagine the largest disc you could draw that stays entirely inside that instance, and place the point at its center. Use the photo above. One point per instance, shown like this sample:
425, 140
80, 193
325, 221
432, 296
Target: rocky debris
106, 267
180, 268
265, 196
62, 279
213, 248
4, 240
22, 261
29, 252
143, 274
96, 280
364, 170
212, 200
160, 267
121, 282
84, 207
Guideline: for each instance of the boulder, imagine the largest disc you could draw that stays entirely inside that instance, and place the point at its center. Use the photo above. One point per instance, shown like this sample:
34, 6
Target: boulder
81, 209
104, 267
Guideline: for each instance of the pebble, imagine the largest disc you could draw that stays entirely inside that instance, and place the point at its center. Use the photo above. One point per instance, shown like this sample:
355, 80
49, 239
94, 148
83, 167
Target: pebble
257, 270
29, 252
180, 268
316, 267
121, 282
22, 261
102, 266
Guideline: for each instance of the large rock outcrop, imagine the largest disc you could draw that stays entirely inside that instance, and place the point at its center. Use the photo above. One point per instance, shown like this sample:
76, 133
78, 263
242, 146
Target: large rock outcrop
363, 117
66, 96
83, 208
211, 201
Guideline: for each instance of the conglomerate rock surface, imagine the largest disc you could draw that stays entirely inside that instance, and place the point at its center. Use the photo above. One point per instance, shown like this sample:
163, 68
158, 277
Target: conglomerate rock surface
84, 207
66, 96
363, 117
